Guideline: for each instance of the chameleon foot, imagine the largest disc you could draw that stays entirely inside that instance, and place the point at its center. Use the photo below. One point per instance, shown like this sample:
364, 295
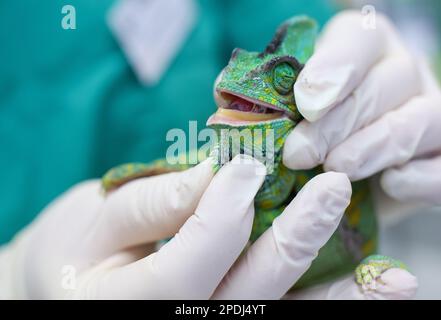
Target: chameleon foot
368, 272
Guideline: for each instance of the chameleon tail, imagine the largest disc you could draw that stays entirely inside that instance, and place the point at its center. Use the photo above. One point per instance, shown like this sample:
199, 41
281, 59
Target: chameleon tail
371, 268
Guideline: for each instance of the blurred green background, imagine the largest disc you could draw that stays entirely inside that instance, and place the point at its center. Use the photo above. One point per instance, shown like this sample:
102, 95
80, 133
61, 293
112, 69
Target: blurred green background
71, 106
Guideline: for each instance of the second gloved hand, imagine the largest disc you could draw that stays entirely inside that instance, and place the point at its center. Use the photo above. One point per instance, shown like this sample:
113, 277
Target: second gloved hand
369, 106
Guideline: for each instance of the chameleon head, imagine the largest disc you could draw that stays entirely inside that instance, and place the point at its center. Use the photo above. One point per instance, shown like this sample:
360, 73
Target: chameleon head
256, 89
259, 86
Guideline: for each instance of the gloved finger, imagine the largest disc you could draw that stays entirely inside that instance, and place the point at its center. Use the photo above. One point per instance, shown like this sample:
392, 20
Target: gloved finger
394, 284
430, 83
149, 209
400, 135
389, 84
344, 54
416, 181
285, 251
192, 264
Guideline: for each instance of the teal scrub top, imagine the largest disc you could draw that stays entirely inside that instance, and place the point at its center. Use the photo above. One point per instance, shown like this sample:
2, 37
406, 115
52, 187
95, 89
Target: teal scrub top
71, 106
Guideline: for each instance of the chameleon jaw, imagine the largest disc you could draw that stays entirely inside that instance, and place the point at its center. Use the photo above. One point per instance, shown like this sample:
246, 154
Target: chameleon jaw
236, 109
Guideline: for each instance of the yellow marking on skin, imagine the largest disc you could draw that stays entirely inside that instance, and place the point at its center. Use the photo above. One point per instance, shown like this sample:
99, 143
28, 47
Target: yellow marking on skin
247, 116
368, 247
302, 179
354, 216
353, 212
266, 204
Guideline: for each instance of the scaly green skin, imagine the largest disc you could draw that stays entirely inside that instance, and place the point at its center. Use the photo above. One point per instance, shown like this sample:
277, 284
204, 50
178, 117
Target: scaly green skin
269, 77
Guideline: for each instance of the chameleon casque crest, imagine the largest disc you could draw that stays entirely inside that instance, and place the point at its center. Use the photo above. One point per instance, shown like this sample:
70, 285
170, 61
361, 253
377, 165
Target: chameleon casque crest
255, 91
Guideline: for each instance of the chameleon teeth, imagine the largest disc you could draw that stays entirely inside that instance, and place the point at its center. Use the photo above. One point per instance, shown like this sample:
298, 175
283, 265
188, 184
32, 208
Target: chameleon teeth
258, 109
241, 105
247, 116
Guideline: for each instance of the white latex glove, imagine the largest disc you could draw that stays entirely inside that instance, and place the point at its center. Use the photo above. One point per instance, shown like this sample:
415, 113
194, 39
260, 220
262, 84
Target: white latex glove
369, 106
85, 245
393, 284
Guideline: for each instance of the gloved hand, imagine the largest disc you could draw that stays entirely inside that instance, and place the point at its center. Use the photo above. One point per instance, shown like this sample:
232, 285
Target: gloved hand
369, 107
85, 245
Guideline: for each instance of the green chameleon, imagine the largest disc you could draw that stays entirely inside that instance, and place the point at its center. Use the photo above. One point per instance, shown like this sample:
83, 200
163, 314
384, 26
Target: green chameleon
256, 112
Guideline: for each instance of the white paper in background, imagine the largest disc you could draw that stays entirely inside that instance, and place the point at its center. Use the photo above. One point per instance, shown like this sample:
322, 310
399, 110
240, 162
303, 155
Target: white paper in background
151, 32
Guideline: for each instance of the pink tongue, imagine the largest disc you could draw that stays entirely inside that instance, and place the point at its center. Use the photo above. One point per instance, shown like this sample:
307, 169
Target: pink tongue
241, 105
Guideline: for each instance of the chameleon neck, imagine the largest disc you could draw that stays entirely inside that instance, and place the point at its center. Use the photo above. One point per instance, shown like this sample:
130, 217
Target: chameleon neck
276, 188
264, 141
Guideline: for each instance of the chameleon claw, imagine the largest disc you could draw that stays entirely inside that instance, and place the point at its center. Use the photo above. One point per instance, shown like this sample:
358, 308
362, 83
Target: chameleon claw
369, 271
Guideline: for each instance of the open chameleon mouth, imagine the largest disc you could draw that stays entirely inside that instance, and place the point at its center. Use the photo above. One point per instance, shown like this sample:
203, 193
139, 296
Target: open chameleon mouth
236, 109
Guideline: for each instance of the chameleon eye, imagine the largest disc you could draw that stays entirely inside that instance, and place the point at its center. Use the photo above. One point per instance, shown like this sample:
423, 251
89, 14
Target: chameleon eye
284, 76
